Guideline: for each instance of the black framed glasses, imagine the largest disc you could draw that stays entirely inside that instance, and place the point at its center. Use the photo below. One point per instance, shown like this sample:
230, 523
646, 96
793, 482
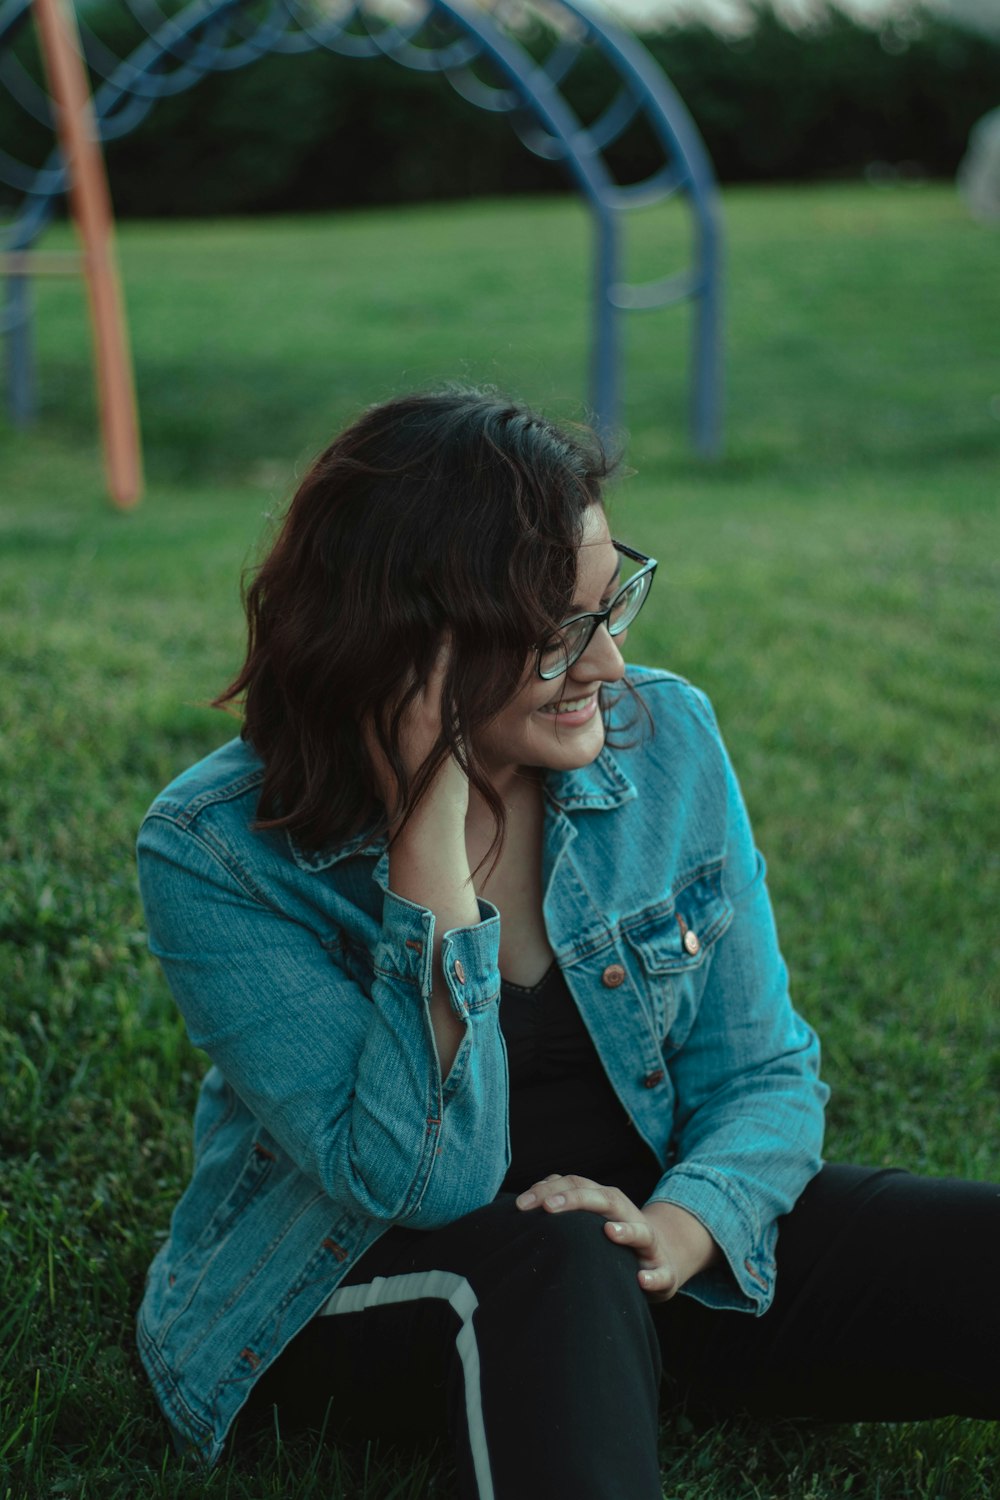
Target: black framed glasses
575, 634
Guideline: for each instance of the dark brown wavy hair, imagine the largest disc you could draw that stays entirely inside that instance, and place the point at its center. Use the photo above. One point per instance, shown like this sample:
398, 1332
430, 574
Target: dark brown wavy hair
460, 513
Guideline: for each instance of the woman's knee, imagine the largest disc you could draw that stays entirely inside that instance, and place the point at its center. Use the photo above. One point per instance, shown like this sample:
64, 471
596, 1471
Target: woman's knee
574, 1248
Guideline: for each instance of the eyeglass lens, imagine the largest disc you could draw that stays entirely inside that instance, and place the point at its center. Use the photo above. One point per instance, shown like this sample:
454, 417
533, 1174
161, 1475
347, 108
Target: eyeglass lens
562, 653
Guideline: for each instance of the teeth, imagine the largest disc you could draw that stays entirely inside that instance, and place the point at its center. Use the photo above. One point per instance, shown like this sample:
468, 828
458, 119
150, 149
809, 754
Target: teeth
568, 706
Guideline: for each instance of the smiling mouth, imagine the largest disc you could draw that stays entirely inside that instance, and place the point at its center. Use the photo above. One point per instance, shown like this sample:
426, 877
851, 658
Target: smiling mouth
569, 705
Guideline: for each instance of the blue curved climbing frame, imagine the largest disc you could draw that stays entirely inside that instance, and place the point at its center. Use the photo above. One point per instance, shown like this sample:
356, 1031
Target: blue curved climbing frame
483, 53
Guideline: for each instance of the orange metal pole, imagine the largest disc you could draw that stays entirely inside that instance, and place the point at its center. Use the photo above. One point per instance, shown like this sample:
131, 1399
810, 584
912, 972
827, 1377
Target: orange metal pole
90, 204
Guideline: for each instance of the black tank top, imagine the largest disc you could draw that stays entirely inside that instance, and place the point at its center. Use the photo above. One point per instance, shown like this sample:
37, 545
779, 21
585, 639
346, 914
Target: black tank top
564, 1114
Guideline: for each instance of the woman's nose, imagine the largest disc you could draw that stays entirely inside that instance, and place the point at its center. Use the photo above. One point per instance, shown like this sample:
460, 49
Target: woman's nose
602, 658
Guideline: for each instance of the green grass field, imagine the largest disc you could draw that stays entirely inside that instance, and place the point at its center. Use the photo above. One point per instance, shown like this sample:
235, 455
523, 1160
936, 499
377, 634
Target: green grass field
832, 583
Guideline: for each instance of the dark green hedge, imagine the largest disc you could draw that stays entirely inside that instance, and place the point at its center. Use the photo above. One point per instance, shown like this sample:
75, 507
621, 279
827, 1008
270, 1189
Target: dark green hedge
834, 99
319, 131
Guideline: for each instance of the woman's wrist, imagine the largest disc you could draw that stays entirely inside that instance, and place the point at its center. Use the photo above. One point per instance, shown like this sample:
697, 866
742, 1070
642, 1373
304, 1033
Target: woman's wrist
429, 865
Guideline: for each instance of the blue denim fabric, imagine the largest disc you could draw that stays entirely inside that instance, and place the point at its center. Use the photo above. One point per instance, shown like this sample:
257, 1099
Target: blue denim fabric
324, 1120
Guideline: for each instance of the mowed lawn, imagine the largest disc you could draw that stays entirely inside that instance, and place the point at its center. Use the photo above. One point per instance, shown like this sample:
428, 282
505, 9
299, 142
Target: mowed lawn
832, 583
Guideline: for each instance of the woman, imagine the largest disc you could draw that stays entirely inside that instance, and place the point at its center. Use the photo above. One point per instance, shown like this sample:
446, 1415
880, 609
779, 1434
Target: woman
472, 927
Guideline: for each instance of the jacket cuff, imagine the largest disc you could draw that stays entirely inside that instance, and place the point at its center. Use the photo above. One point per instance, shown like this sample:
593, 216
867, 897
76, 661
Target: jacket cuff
745, 1283
406, 945
470, 962
470, 956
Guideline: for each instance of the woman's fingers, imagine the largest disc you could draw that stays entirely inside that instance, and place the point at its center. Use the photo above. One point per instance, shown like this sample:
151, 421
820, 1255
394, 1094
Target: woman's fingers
562, 1194
657, 1277
638, 1236
420, 732
554, 1191
658, 1282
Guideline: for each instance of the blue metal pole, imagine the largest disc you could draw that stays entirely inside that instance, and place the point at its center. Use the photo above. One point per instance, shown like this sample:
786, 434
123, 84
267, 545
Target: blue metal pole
16, 322
707, 365
681, 142
606, 325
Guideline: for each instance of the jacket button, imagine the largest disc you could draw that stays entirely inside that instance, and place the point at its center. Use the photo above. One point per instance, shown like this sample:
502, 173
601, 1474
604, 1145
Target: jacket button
692, 942
652, 1079
459, 971
613, 976
751, 1268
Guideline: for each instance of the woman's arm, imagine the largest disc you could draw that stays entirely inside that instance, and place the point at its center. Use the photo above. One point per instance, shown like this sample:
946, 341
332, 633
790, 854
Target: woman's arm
429, 865
350, 1086
428, 859
748, 1125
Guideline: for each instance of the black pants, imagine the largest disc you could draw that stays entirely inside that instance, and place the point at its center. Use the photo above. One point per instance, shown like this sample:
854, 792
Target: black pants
528, 1337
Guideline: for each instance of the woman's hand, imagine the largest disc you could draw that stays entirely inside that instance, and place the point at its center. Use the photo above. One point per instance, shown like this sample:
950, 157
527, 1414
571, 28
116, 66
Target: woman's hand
448, 796
670, 1244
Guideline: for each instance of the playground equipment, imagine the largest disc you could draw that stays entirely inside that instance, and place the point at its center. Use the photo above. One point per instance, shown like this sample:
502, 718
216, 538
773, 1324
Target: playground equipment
87, 187
483, 53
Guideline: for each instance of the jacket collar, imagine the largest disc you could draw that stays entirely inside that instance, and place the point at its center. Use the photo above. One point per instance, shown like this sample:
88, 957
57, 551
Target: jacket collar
601, 785
594, 788
314, 860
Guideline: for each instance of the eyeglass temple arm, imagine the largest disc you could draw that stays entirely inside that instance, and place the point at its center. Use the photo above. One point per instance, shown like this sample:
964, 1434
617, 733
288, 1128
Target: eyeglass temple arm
639, 557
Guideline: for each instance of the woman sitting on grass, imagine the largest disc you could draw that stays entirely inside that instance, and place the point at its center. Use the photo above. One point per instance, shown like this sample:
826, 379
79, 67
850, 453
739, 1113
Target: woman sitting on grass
471, 924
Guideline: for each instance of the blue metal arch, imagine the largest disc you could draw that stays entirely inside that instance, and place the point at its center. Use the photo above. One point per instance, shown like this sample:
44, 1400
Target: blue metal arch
215, 35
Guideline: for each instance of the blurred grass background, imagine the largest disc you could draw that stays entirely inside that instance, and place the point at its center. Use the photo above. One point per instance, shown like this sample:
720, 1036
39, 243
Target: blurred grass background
832, 583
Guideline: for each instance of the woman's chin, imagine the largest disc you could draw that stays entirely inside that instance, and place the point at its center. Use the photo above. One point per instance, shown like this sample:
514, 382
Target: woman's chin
571, 749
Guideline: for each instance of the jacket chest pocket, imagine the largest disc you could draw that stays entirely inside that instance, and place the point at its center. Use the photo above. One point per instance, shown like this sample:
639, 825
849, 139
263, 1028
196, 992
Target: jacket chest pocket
672, 945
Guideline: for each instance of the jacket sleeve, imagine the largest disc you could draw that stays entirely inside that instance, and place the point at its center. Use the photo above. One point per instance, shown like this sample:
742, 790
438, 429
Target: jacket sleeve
349, 1087
749, 1103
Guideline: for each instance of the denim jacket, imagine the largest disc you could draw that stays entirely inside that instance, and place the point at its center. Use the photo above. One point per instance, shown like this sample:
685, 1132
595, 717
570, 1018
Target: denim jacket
324, 1119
